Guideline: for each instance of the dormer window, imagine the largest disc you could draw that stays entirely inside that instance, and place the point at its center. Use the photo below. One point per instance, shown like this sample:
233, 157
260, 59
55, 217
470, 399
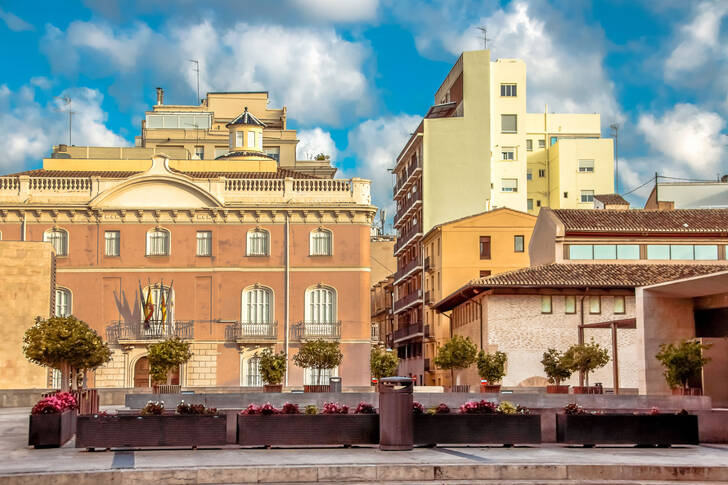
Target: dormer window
238, 139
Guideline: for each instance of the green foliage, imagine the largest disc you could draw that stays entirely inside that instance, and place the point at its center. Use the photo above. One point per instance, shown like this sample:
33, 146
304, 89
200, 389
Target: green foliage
318, 354
272, 367
682, 361
507, 407
555, 366
383, 363
586, 358
492, 367
165, 356
457, 353
54, 341
310, 409
321, 156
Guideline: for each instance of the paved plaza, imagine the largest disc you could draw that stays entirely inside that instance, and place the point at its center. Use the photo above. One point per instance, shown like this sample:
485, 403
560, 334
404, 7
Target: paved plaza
552, 463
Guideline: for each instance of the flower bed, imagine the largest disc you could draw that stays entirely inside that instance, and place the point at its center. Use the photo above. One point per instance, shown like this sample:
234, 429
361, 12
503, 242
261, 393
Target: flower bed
654, 428
268, 426
476, 423
52, 421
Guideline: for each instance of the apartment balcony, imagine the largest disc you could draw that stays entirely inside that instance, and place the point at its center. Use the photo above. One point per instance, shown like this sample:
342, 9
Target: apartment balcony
428, 332
315, 330
427, 365
428, 298
406, 270
405, 238
375, 333
428, 264
410, 331
407, 207
408, 301
251, 332
408, 176
129, 332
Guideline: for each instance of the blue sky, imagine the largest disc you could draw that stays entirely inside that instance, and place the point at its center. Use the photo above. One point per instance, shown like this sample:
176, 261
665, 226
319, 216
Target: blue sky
356, 75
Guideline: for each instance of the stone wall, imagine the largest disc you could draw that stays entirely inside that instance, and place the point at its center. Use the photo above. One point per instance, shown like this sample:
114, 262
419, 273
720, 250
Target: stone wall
112, 374
201, 370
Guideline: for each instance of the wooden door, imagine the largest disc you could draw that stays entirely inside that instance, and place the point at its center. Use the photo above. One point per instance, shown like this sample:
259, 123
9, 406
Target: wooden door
141, 373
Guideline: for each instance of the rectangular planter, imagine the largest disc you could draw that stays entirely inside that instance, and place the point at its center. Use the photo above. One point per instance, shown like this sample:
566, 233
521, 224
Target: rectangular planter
51, 430
303, 429
96, 431
640, 429
431, 429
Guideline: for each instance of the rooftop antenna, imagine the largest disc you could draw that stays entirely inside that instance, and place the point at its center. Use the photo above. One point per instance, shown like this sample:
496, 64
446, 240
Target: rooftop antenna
68, 102
484, 31
197, 70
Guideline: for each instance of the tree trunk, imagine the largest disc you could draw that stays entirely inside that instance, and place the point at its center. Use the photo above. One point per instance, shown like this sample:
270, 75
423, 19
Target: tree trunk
74, 379
65, 370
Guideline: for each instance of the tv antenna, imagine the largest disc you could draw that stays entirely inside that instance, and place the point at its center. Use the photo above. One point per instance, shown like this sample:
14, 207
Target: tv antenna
484, 31
67, 101
197, 70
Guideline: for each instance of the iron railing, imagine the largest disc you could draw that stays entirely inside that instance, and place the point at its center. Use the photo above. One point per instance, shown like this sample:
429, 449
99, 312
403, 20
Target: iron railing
154, 330
407, 299
316, 330
251, 331
407, 331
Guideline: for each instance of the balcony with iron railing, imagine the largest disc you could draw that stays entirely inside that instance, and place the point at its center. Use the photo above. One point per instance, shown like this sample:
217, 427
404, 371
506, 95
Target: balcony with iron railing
251, 332
405, 178
406, 237
375, 333
316, 330
406, 269
407, 300
428, 264
408, 331
120, 331
407, 206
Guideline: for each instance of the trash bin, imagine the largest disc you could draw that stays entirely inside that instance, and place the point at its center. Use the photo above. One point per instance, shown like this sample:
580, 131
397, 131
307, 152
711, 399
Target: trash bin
334, 384
395, 413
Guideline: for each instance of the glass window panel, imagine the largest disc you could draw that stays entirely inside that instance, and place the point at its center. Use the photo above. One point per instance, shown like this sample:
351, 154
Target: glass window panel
706, 252
509, 123
595, 304
587, 196
204, 243
586, 165
187, 122
154, 121
157, 243
542, 143
529, 145
628, 251
658, 251
509, 185
605, 251
681, 251
257, 243
529, 204
259, 141
63, 303
546, 304
112, 239
202, 121
171, 121
321, 243
618, 304
239, 139
570, 304
59, 241
518, 244
251, 139
581, 251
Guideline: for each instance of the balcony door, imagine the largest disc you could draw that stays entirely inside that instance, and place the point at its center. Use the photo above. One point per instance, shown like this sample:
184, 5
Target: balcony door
320, 312
257, 311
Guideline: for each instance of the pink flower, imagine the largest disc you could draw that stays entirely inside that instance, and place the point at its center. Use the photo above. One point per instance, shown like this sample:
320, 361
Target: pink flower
55, 404
334, 408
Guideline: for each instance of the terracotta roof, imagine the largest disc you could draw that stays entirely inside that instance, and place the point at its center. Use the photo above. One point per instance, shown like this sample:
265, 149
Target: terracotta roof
641, 220
280, 174
611, 199
39, 172
246, 118
557, 275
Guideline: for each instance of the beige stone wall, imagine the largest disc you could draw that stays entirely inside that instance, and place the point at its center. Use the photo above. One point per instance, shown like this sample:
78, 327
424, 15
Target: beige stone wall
25, 292
201, 370
113, 373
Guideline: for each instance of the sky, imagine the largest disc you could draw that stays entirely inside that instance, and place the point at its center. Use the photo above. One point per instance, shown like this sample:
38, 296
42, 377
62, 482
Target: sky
358, 75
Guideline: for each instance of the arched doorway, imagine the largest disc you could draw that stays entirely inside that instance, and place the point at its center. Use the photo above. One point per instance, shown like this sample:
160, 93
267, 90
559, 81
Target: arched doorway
141, 374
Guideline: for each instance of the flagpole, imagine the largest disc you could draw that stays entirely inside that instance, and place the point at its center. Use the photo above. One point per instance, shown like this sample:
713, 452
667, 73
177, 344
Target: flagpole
169, 304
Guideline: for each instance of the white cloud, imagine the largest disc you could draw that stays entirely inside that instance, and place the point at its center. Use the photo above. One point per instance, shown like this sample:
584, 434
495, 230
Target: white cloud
14, 23
316, 73
689, 138
338, 10
30, 128
315, 141
376, 143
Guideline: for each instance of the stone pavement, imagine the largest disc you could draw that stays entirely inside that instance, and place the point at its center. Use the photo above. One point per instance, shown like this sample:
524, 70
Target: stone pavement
20, 464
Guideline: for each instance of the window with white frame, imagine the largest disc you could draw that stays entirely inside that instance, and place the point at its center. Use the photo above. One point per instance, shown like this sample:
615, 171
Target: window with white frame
58, 239
542, 143
112, 243
595, 305
509, 123
63, 302
231, 141
251, 139
586, 166
529, 145
257, 305
321, 242
320, 305
618, 307
204, 243
258, 242
158, 242
508, 90
239, 139
529, 204
259, 141
314, 377
509, 185
546, 303
508, 153
587, 196
252, 372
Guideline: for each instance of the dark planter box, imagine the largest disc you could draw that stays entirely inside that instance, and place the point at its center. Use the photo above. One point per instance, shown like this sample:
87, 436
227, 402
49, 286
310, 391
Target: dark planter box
638, 429
304, 429
431, 429
553, 389
51, 430
317, 388
273, 388
139, 431
490, 388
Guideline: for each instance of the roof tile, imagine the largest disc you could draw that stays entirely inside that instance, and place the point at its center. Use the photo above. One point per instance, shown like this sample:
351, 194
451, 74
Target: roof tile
641, 220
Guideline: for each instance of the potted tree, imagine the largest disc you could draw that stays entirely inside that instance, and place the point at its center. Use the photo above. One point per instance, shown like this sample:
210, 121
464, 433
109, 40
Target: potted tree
166, 355
383, 363
585, 358
318, 355
492, 368
683, 362
272, 370
71, 345
557, 371
457, 353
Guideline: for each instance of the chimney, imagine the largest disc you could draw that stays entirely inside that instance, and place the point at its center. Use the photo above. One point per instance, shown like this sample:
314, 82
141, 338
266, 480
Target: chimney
160, 96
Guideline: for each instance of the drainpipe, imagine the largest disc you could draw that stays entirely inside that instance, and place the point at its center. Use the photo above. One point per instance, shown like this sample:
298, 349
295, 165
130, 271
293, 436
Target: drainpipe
581, 331
287, 277
480, 317
23, 225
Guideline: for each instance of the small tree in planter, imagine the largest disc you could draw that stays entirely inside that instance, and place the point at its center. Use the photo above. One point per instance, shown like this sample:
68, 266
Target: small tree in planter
457, 353
318, 355
585, 358
557, 370
383, 363
165, 356
492, 368
272, 370
65, 343
681, 362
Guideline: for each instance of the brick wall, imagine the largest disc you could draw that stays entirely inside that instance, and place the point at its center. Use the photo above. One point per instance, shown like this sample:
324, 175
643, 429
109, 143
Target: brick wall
202, 367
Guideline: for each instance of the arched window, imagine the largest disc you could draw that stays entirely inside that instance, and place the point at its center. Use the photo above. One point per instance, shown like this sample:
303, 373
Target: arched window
258, 242
321, 242
257, 306
320, 305
63, 302
252, 377
58, 239
158, 242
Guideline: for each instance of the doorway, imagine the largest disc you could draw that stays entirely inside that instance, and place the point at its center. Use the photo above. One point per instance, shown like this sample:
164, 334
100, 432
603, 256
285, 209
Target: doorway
142, 378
